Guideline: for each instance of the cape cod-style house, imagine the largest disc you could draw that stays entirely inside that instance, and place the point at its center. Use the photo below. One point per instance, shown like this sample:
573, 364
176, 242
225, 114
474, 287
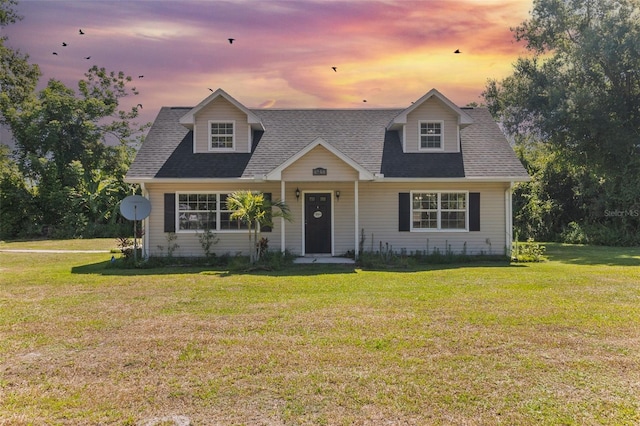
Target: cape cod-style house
430, 176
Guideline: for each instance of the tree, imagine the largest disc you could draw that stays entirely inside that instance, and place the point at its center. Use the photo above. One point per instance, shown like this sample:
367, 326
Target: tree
254, 209
578, 94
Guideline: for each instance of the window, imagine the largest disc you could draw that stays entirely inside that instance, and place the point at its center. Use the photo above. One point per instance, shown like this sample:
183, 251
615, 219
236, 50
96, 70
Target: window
431, 134
201, 212
197, 212
439, 210
221, 135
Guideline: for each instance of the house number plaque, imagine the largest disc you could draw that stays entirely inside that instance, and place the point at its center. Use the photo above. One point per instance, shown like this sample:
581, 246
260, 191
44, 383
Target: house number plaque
319, 171
317, 214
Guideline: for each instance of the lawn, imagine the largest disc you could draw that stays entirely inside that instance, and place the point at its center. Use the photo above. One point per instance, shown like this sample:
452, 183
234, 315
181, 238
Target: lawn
556, 342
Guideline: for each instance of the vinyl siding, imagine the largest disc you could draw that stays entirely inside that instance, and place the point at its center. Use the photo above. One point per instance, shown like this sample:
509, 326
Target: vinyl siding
221, 110
302, 170
230, 242
382, 198
431, 110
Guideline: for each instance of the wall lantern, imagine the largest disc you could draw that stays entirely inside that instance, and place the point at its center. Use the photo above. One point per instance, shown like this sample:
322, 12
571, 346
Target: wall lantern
297, 194
338, 195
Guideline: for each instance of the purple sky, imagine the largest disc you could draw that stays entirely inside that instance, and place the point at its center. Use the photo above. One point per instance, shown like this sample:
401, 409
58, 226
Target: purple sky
388, 52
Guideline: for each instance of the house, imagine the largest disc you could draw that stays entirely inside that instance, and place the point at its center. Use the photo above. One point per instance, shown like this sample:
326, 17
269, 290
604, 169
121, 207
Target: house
431, 176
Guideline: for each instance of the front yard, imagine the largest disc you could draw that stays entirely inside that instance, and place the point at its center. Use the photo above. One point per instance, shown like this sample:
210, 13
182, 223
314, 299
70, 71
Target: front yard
556, 342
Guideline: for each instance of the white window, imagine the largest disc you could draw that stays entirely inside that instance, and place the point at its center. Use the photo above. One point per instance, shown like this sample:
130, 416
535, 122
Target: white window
206, 211
431, 134
434, 211
221, 135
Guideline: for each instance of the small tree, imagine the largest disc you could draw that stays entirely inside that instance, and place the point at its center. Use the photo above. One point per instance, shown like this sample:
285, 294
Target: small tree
253, 208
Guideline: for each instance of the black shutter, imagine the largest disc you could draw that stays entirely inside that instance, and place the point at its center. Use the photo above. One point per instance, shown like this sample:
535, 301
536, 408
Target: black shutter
474, 211
267, 197
169, 212
404, 211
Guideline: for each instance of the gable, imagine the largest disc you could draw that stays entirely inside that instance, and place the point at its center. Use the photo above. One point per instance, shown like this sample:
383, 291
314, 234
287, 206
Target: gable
319, 160
220, 110
431, 110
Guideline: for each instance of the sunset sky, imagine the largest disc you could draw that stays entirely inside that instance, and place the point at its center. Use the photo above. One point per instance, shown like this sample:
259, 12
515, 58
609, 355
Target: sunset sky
389, 52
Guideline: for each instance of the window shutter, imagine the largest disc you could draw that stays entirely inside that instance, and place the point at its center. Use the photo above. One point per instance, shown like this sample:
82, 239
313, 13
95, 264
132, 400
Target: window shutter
474, 211
169, 212
404, 212
267, 196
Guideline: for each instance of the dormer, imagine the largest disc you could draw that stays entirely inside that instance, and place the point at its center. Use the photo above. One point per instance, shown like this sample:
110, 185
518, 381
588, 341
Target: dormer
221, 124
431, 124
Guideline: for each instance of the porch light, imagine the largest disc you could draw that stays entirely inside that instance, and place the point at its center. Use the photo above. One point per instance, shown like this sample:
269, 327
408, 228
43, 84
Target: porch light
338, 195
297, 194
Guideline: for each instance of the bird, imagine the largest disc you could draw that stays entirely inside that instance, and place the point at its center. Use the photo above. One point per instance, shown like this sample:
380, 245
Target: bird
139, 106
457, 51
55, 53
141, 76
364, 100
64, 44
80, 31
87, 57
335, 69
231, 40
210, 89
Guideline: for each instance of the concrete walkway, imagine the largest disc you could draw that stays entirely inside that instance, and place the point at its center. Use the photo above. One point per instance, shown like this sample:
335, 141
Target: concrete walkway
324, 259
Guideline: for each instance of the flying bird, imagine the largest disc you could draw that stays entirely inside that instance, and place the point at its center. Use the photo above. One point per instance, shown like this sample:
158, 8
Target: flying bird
210, 89
87, 57
457, 51
141, 76
335, 69
364, 100
55, 53
139, 106
231, 40
80, 31
64, 44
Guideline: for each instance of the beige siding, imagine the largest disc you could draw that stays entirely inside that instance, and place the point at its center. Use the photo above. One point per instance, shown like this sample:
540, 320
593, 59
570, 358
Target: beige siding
431, 109
382, 227
378, 216
302, 170
230, 242
221, 110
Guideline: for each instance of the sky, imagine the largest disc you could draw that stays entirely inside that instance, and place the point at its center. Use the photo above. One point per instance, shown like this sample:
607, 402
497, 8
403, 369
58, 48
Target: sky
387, 52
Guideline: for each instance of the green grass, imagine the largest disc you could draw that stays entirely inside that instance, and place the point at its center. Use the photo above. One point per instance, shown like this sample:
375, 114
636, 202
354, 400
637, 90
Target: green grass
556, 342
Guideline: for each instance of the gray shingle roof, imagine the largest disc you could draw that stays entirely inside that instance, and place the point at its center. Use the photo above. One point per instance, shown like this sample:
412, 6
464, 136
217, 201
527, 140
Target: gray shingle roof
358, 134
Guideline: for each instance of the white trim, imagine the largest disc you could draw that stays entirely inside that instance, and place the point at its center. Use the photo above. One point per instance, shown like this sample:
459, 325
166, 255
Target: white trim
218, 213
508, 210
145, 244
282, 224
189, 119
356, 206
430, 149
249, 138
304, 225
276, 174
464, 119
233, 136
439, 210
376, 178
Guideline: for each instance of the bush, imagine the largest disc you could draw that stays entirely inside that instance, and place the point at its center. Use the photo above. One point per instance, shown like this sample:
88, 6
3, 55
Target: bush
527, 252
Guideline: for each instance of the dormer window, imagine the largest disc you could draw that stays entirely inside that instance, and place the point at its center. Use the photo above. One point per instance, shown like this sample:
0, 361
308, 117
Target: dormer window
431, 134
221, 135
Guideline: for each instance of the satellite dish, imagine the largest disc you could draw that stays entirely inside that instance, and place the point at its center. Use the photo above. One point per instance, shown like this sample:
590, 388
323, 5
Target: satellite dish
135, 207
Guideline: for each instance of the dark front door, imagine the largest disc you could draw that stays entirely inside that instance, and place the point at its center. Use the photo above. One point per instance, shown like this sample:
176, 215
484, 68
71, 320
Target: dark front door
317, 223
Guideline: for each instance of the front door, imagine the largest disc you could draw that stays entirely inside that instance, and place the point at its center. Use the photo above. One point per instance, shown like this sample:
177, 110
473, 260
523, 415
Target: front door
317, 223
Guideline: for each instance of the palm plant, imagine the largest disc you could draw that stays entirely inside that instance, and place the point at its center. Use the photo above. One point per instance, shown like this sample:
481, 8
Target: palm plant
256, 210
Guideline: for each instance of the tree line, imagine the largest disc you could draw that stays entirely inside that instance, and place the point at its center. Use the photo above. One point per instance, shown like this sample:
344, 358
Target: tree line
571, 106
63, 179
